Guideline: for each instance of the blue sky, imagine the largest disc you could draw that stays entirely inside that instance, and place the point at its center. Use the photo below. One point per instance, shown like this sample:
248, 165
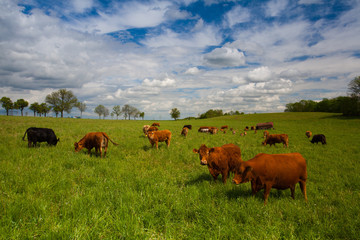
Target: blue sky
250, 56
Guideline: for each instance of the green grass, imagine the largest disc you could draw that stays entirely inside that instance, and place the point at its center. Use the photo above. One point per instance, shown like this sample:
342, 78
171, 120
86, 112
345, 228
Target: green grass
138, 192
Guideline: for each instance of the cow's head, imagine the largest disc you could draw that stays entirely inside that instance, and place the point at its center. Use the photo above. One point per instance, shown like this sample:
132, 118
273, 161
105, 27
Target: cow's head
54, 141
243, 174
78, 146
151, 135
204, 153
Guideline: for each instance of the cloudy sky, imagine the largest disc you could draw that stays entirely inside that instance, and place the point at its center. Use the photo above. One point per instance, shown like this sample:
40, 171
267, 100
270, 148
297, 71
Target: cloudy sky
250, 56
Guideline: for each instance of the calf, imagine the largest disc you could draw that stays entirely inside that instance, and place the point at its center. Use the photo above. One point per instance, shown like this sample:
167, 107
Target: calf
97, 140
280, 171
220, 160
184, 131
319, 138
277, 138
308, 134
35, 135
159, 136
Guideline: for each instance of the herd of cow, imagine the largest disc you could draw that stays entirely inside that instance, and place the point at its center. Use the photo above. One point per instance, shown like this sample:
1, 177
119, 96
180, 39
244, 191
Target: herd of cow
264, 171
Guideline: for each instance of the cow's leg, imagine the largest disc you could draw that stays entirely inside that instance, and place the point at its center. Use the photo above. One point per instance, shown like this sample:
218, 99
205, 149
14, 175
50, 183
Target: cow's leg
29, 143
224, 175
292, 189
303, 188
105, 148
157, 144
266, 192
214, 173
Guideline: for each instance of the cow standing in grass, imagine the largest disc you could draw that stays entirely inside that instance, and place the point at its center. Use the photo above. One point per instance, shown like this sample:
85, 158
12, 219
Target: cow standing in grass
159, 136
277, 138
35, 135
97, 140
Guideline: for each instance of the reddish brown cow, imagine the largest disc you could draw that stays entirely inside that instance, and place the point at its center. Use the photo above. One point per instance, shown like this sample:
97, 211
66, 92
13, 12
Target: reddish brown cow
159, 136
220, 160
184, 131
155, 124
308, 134
213, 130
152, 129
97, 140
277, 138
280, 171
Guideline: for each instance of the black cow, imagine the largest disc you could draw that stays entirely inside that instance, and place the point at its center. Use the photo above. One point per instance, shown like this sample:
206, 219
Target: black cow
319, 138
188, 126
36, 135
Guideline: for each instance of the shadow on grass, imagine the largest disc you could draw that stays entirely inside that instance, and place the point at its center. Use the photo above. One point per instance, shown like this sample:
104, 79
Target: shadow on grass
340, 117
199, 179
238, 192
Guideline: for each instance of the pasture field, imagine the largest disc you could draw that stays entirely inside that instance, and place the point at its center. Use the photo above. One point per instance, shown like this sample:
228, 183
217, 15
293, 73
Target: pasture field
138, 192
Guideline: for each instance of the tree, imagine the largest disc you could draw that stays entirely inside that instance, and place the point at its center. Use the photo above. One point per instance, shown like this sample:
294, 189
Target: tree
63, 100
35, 107
175, 113
101, 110
21, 104
116, 111
44, 109
82, 107
126, 111
354, 87
7, 104
134, 112
142, 115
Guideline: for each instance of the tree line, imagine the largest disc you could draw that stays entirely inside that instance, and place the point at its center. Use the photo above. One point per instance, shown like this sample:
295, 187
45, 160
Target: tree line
217, 113
347, 105
64, 101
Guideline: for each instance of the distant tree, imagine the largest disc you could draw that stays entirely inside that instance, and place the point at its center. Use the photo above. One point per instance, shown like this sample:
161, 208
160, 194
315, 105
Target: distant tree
63, 100
7, 104
44, 109
142, 115
100, 110
212, 113
82, 107
35, 107
106, 112
134, 112
21, 104
354, 87
56, 110
126, 111
175, 113
116, 111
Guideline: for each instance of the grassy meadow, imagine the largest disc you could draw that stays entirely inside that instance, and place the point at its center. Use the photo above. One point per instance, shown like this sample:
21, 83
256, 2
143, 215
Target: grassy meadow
138, 192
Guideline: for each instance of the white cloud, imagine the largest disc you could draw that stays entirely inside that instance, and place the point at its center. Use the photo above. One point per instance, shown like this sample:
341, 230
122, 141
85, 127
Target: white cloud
275, 7
225, 57
81, 5
192, 71
167, 82
237, 15
260, 74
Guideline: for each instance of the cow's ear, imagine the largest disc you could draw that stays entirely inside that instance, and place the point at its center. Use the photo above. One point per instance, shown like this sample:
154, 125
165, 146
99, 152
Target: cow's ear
195, 150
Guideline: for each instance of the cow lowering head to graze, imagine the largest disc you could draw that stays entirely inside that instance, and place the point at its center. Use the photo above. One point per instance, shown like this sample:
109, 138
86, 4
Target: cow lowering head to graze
188, 126
220, 160
319, 138
155, 124
97, 140
37, 135
266, 133
159, 136
266, 171
145, 129
308, 134
184, 131
277, 138
204, 129
224, 127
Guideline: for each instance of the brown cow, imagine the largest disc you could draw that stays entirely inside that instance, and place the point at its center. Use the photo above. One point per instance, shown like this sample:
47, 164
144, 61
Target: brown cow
204, 129
266, 133
280, 171
155, 124
159, 136
213, 130
184, 131
308, 134
277, 138
220, 160
97, 140
152, 129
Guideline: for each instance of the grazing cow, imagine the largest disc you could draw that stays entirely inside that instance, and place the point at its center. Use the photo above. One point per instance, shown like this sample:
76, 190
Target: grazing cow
224, 127
266, 133
277, 138
252, 127
188, 126
35, 135
152, 129
308, 134
204, 129
159, 136
145, 129
280, 171
319, 138
246, 128
97, 140
155, 124
220, 160
184, 131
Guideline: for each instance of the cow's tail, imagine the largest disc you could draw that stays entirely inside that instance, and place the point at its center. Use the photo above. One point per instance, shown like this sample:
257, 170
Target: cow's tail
105, 135
25, 134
